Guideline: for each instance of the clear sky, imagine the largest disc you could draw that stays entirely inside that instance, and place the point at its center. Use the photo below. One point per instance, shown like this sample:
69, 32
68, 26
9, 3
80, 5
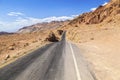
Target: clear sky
15, 14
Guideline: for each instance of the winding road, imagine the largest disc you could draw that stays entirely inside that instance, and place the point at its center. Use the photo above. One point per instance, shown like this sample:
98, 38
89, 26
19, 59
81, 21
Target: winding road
57, 61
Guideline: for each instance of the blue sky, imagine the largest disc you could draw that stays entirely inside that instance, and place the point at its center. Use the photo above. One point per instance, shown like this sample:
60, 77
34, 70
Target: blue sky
15, 14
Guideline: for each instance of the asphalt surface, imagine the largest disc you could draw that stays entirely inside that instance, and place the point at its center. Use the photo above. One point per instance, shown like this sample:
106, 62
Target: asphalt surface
57, 61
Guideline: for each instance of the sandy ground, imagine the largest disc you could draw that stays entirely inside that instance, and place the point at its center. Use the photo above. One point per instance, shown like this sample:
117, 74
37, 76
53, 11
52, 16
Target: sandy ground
103, 53
17, 45
14, 55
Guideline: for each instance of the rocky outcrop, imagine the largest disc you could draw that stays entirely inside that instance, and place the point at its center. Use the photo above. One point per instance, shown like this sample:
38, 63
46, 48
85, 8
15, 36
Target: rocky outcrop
52, 37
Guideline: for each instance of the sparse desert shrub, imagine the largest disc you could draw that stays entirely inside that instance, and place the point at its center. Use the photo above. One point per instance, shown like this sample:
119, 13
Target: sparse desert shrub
14, 56
26, 44
109, 20
91, 38
76, 25
11, 48
34, 41
7, 57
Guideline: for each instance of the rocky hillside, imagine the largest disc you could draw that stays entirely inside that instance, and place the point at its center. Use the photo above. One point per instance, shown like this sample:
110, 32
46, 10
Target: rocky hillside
98, 35
102, 13
85, 26
42, 26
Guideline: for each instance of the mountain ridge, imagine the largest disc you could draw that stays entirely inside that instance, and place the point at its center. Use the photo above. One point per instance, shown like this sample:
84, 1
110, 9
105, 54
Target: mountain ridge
42, 26
5, 33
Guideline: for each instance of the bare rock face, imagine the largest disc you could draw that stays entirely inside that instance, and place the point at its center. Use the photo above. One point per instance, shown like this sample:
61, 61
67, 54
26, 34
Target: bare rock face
100, 14
52, 37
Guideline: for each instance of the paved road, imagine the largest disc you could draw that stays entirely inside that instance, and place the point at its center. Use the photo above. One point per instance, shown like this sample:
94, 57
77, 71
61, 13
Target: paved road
56, 61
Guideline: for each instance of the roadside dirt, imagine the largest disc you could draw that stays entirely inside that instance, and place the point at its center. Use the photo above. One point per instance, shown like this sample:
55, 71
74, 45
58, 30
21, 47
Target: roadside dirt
102, 53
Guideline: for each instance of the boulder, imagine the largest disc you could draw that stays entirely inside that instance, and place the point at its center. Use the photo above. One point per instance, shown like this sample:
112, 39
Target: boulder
52, 37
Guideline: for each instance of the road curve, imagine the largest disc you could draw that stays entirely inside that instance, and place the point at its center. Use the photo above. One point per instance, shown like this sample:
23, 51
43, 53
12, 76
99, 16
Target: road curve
56, 61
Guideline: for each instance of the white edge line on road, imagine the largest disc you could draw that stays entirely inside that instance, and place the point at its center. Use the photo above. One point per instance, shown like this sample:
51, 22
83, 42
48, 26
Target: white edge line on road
75, 63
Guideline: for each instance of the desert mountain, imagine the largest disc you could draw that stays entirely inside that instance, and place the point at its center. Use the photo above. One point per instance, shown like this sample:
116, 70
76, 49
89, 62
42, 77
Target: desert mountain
102, 13
104, 16
42, 26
